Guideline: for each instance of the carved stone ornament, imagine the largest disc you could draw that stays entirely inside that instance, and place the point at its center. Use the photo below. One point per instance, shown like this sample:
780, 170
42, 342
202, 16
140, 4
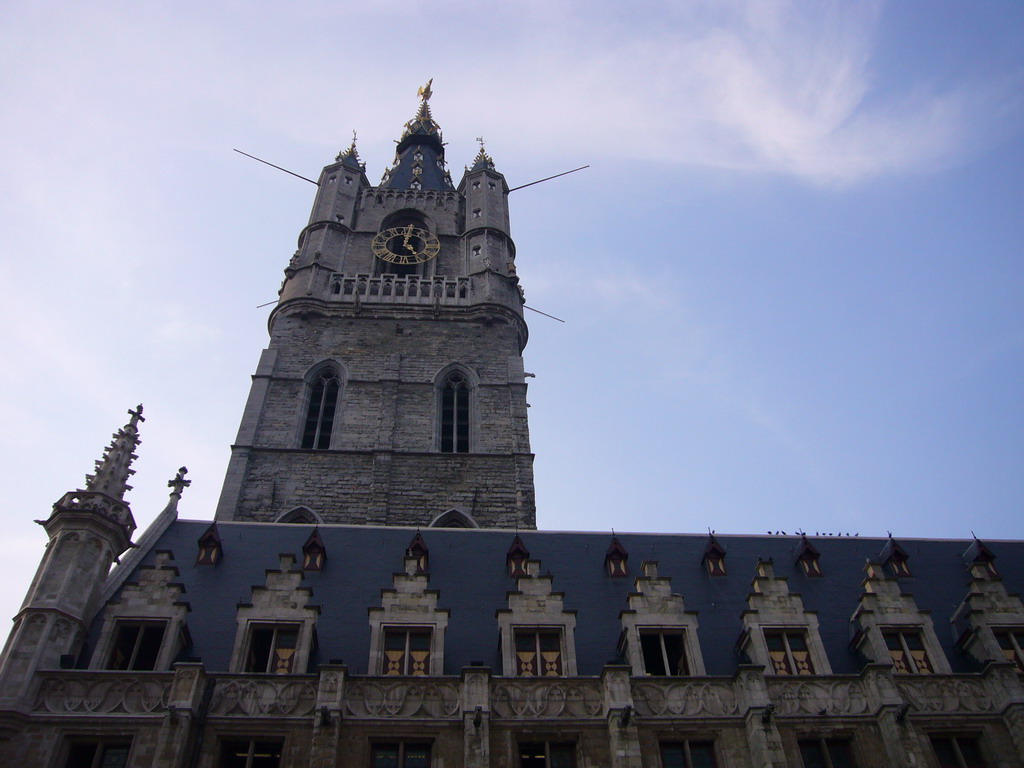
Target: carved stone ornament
264, 697
530, 699
946, 695
685, 699
89, 694
372, 699
814, 697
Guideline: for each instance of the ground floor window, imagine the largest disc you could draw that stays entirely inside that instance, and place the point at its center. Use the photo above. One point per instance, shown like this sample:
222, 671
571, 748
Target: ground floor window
401, 755
250, 753
98, 754
687, 754
957, 752
547, 754
826, 753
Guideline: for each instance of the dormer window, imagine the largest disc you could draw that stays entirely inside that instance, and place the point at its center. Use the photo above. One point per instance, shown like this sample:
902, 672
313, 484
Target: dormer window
272, 649
210, 549
314, 553
417, 549
615, 559
808, 557
895, 559
516, 558
136, 645
714, 557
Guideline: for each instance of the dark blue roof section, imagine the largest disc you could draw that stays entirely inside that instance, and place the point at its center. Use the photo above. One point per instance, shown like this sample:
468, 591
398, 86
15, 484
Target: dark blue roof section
422, 154
468, 568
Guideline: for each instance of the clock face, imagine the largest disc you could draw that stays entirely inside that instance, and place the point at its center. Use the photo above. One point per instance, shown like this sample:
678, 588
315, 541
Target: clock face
405, 245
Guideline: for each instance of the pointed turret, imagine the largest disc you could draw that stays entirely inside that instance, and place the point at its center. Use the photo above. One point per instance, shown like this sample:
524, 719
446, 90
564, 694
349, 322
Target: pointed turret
419, 156
87, 531
350, 157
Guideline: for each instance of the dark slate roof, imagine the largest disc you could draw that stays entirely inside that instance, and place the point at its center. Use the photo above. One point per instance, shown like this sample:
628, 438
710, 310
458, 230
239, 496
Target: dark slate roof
432, 175
468, 569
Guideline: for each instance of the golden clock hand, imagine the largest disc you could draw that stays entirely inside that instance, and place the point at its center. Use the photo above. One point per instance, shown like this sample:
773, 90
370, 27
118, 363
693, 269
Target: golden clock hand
407, 233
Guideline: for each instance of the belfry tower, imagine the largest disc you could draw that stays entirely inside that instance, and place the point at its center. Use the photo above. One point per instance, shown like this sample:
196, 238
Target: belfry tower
392, 391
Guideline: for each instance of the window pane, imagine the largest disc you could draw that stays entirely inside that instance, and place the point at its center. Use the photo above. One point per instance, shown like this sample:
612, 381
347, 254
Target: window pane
124, 646
81, 756
945, 753
650, 645
234, 754
562, 755
672, 755
970, 752
149, 647
114, 756
812, 754
702, 754
266, 754
840, 752
417, 756
385, 756
532, 756
259, 650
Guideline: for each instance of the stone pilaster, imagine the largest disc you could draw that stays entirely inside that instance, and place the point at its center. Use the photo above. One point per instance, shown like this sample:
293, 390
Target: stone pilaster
763, 737
330, 695
476, 716
177, 727
623, 739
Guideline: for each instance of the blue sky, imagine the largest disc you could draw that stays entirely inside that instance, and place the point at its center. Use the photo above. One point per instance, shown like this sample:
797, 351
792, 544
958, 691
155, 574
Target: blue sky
793, 277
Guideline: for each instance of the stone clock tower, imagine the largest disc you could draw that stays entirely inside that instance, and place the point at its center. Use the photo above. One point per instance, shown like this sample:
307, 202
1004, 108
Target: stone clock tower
392, 391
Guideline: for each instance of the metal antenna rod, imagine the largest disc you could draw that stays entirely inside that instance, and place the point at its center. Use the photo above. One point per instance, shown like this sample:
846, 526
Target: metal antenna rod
549, 178
544, 313
315, 184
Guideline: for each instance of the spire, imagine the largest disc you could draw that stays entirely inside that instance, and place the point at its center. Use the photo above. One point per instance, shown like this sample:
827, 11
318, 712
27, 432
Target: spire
419, 157
114, 469
482, 161
350, 156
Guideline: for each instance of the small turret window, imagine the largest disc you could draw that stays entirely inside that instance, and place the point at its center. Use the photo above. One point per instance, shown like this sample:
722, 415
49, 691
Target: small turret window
323, 402
455, 414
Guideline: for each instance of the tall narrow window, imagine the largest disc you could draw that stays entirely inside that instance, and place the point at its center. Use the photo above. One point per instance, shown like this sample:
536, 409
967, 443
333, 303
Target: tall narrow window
323, 402
455, 414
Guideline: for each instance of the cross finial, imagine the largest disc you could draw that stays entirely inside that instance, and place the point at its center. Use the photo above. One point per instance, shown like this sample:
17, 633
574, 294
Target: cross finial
179, 483
424, 92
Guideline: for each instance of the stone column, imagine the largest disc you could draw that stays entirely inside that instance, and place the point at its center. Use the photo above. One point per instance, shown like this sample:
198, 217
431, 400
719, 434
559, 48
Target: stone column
327, 717
623, 739
763, 737
476, 716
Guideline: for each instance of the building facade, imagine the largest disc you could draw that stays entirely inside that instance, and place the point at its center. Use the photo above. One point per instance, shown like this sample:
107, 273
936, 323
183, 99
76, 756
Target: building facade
372, 589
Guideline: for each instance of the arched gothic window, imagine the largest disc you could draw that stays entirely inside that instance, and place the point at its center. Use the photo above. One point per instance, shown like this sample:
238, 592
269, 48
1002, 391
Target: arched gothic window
455, 392
323, 402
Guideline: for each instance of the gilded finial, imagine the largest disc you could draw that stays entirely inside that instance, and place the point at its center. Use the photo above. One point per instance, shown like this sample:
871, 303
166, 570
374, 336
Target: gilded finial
424, 92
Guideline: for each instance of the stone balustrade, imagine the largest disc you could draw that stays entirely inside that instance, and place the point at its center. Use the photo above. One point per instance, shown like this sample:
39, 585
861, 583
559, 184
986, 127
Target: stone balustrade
398, 289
